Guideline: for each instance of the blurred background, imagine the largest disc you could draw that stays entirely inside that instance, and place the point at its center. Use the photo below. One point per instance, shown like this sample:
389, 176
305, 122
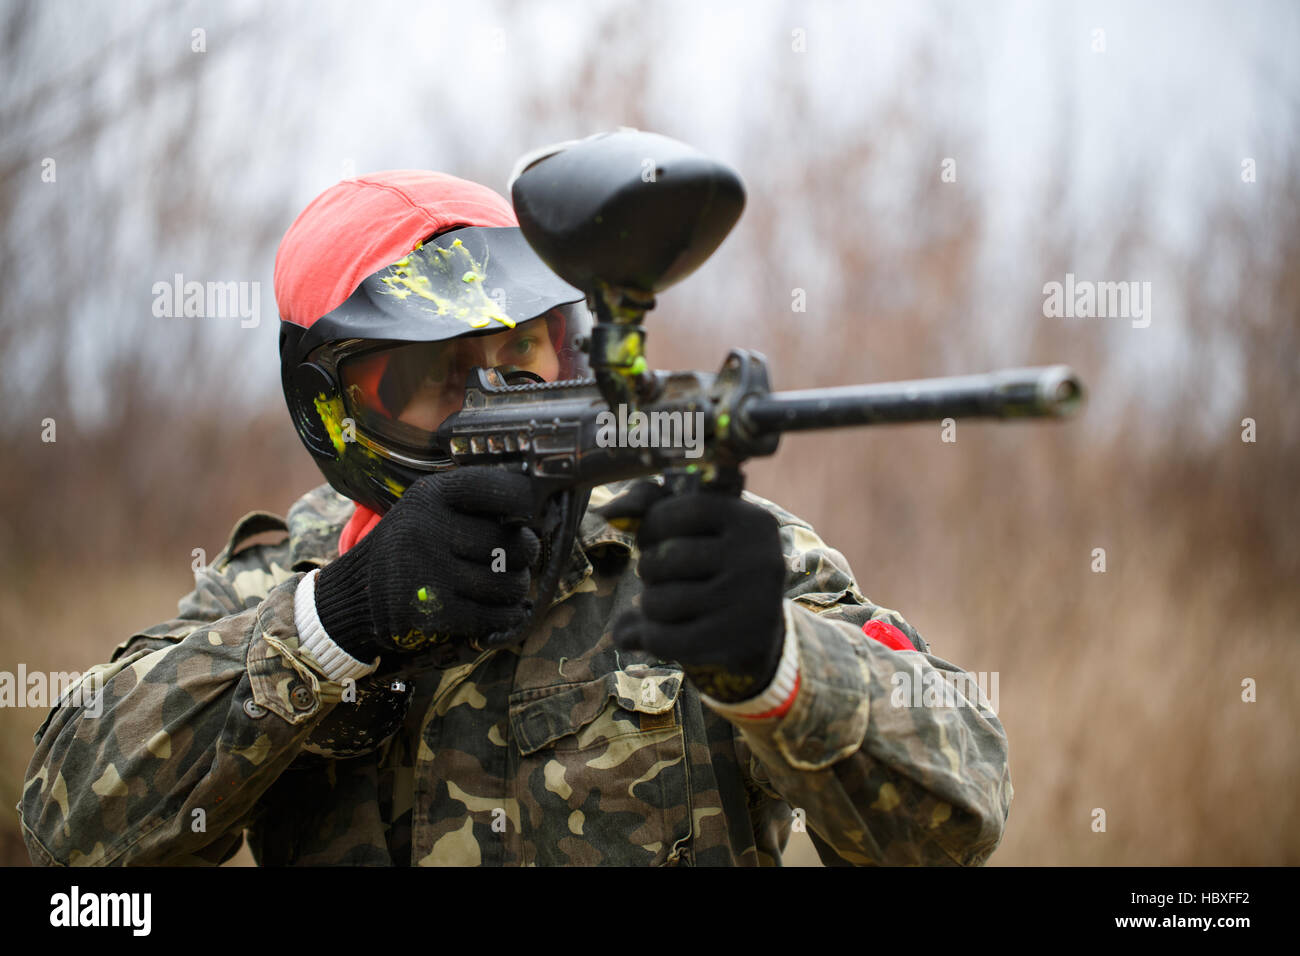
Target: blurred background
917, 172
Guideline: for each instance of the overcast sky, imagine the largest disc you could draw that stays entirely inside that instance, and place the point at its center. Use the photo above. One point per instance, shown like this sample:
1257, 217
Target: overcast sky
1159, 108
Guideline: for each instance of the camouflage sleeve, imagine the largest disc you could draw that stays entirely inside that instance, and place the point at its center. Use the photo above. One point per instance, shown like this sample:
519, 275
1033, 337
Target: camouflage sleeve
883, 773
196, 718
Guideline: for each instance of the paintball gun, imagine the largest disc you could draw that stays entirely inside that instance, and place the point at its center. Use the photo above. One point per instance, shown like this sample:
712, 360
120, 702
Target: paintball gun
594, 216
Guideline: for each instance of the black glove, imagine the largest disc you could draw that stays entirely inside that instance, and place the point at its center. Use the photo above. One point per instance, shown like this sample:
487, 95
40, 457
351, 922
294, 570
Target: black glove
424, 574
714, 580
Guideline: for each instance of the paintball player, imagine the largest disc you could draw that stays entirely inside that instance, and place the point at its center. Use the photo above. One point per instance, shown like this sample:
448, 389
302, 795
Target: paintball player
702, 684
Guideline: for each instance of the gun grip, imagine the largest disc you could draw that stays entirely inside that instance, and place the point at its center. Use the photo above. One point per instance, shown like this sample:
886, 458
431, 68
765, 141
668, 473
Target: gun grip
556, 520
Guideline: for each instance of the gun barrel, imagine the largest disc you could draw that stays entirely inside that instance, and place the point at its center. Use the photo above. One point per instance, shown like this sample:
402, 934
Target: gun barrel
1048, 392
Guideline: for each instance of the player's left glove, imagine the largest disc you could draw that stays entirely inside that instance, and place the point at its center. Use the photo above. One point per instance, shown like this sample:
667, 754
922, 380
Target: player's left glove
714, 578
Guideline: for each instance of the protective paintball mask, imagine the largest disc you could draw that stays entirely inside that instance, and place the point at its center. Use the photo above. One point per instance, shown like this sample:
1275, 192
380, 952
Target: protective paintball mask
369, 382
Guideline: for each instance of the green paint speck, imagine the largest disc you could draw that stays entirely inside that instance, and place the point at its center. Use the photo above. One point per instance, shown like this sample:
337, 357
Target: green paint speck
422, 594
724, 420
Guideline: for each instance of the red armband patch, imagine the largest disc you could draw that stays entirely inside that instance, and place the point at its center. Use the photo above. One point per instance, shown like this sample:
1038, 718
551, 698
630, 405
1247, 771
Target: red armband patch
887, 634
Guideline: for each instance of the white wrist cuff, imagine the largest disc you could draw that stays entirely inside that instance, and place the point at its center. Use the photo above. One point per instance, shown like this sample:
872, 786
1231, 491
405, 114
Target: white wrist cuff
777, 692
337, 663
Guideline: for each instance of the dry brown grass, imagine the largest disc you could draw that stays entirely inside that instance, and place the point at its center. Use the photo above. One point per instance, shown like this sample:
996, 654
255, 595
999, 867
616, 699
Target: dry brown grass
1118, 690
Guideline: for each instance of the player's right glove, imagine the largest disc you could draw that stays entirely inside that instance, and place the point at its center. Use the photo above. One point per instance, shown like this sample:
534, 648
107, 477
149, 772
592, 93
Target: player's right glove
449, 562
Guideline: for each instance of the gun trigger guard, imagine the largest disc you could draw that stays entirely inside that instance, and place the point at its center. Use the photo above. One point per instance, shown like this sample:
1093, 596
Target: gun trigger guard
726, 479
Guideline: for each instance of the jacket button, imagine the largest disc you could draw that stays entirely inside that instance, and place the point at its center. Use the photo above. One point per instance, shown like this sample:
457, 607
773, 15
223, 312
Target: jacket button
253, 709
301, 697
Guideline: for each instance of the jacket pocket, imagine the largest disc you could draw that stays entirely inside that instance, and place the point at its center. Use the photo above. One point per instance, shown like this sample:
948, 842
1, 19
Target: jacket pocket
601, 775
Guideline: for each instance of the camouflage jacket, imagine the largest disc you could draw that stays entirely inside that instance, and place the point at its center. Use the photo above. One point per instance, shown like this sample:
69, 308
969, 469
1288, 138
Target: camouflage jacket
561, 750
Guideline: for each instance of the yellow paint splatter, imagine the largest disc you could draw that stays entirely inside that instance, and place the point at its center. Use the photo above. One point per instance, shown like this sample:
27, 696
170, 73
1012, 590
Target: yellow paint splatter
469, 303
331, 414
629, 349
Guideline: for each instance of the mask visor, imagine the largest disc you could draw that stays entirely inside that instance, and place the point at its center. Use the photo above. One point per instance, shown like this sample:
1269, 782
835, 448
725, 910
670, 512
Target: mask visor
401, 392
